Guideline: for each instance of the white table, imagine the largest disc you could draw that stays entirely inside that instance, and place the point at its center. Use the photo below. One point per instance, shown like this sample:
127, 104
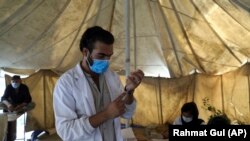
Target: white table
9, 117
13, 116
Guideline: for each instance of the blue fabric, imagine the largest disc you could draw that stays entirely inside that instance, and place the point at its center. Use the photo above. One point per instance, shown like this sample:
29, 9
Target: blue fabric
36, 133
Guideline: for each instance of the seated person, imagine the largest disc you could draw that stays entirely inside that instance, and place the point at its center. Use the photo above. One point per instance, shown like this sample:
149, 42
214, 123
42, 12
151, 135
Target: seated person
17, 97
219, 120
189, 115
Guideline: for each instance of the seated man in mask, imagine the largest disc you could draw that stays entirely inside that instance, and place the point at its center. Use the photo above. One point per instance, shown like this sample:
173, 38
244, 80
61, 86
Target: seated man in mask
17, 100
17, 97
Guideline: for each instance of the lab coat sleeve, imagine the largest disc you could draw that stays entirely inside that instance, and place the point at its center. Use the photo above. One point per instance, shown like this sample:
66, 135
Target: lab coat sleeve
130, 109
68, 125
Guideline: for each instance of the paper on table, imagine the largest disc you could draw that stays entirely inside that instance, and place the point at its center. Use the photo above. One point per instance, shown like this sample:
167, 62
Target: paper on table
13, 116
128, 134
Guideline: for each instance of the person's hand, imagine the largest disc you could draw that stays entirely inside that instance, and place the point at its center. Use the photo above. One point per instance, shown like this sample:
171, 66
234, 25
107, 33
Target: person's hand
116, 107
134, 80
11, 108
18, 107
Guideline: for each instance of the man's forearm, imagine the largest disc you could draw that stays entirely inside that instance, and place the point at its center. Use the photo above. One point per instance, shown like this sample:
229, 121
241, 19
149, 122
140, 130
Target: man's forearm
7, 103
99, 118
130, 98
20, 106
23, 104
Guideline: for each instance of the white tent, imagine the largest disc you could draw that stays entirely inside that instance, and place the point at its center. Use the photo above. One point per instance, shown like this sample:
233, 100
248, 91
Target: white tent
166, 35
169, 38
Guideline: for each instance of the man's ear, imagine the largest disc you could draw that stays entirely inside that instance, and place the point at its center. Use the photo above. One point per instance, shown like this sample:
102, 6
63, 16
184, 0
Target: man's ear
85, 52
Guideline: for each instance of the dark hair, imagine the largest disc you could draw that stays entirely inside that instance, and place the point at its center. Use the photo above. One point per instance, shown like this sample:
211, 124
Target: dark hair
219, 120
93, 34
16, 77
192, 108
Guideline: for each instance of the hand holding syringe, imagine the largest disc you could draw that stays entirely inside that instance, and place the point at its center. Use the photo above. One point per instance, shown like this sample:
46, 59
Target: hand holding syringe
132, 82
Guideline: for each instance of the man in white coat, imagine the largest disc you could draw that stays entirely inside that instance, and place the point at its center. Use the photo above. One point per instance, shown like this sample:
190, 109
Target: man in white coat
89, 98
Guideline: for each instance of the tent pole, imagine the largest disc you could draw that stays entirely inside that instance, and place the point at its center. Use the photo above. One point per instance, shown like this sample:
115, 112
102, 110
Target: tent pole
127, 41
160, 96
127, 44
248, 91
135, 39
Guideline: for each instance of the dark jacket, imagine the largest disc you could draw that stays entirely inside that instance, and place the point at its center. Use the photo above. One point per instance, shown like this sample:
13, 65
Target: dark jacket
18, 96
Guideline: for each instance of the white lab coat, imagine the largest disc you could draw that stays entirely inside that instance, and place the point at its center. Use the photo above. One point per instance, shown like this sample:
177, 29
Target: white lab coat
74, 104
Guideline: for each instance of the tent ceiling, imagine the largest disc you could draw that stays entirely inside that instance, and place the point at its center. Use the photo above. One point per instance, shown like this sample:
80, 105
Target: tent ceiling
168, 37
243, 3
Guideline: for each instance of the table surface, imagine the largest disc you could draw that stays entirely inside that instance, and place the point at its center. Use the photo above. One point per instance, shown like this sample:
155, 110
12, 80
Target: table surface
13, 116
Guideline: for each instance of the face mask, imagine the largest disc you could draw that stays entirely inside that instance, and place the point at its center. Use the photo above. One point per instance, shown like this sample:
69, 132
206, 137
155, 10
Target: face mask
15, 85
187, 119
98, 66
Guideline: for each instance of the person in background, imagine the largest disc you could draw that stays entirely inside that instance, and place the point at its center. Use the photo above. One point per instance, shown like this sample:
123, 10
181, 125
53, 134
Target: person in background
90, 98
219, 120
189, 115
16, 100
17, 97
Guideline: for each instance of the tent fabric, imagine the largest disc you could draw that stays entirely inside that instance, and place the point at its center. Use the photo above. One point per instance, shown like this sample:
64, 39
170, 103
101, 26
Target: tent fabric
169, 38
202, 45
19, 71
159, 100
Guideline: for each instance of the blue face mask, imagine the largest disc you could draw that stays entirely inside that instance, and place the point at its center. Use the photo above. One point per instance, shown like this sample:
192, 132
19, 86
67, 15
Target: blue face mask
187, 119
99, 66
15, 85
